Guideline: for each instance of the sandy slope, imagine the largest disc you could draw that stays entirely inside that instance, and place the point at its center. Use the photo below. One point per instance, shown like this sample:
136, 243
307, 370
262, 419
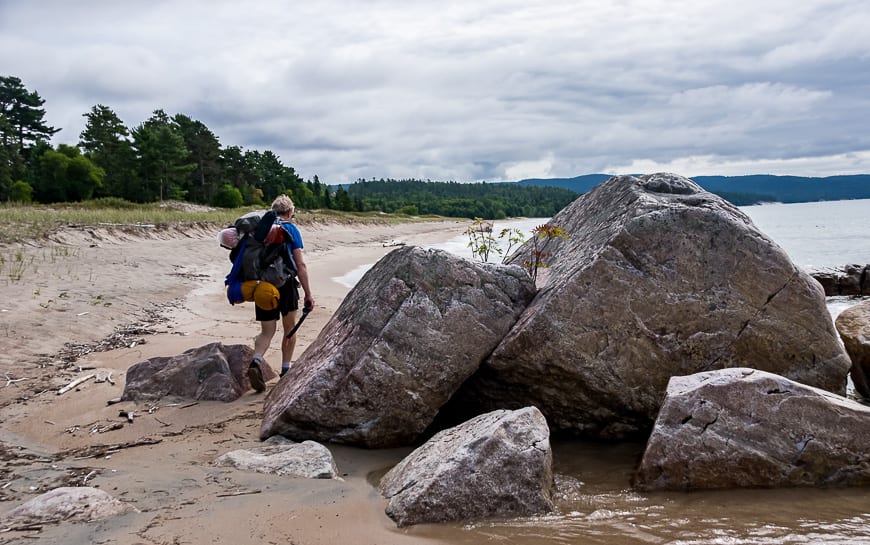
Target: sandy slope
99, 301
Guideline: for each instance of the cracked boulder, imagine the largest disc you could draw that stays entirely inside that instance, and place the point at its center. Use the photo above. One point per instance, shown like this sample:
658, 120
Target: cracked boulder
405, 338
498, 464
853, 324
748, 428
659, 278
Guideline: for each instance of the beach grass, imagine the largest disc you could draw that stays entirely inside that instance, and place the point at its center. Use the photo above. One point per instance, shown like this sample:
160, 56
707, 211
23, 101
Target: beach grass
32, 222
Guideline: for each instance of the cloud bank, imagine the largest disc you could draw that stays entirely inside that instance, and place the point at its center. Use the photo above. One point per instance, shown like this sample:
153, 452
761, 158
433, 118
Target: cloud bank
466, 91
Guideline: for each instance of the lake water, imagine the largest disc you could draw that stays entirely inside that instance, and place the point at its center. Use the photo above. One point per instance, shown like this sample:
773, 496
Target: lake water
815, 235
596, 504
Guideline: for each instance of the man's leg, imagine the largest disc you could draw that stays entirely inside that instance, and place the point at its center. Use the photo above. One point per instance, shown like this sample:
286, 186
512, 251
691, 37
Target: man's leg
264, 339
261, 344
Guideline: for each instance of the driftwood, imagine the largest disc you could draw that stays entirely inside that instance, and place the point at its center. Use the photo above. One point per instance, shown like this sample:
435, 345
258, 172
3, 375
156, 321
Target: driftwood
33, 527
105, 378
75, 383
96, 451
108, 427
88, 476
14, 380
240, 493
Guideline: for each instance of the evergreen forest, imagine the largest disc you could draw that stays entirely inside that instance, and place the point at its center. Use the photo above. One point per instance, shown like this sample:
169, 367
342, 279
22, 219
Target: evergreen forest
176, 157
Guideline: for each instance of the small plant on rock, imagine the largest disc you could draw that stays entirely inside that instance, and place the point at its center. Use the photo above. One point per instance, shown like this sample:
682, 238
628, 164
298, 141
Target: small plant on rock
542, 236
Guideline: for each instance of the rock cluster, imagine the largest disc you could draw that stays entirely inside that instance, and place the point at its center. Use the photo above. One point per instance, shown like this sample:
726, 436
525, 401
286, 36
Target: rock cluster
658, 278
665, 315
851, 279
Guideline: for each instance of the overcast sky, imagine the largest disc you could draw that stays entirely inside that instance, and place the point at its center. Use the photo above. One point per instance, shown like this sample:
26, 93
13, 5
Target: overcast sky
469, 90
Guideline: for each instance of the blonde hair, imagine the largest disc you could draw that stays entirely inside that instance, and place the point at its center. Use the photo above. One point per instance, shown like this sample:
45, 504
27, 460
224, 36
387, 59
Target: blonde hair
283, 205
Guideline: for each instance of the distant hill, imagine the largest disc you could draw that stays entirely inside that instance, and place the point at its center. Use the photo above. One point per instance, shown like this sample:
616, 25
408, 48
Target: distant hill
745, 190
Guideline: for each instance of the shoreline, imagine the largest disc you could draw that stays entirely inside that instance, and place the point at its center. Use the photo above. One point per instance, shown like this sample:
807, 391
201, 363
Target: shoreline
167, 294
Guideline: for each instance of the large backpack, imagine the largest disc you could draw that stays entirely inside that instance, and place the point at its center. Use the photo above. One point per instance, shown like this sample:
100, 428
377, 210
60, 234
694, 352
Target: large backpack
259, 254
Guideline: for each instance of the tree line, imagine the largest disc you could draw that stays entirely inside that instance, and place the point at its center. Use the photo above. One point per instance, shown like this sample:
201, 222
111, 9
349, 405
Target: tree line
179, 158
462, 200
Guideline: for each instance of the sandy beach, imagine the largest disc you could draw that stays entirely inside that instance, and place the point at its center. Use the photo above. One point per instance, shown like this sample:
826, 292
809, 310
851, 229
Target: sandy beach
96, 301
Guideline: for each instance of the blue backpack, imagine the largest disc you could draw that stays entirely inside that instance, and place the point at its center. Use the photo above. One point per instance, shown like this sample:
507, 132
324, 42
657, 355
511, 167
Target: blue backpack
255, 259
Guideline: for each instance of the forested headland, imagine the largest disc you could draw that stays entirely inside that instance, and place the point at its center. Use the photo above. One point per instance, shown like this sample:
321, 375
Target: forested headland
176, 157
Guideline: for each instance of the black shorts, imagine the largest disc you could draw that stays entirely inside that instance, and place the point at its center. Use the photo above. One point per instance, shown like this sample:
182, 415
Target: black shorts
288, 302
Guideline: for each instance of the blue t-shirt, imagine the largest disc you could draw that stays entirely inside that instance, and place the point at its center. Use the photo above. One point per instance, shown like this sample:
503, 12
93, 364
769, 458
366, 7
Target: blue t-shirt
295, 241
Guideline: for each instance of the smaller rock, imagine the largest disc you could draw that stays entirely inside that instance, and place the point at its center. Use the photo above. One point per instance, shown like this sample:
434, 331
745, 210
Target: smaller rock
280, 456
852, 279
72, 503
748, 428
211, 372
498, 464
853, 324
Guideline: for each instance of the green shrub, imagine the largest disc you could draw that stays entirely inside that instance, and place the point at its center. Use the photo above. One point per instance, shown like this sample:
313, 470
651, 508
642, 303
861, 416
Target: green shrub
228, 197
21, 192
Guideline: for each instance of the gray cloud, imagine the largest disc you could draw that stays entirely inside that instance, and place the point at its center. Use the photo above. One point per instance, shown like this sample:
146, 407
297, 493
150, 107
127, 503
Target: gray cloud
488, 90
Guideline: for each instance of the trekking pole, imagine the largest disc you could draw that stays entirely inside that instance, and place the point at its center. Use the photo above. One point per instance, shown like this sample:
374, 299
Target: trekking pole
305, 310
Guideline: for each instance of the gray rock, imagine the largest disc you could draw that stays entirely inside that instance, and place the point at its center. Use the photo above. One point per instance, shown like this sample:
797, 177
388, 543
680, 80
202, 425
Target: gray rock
749, 428
280, 456
659, 278
496, 465
411, 331
70, 503
852, 279
211, 372
853, 324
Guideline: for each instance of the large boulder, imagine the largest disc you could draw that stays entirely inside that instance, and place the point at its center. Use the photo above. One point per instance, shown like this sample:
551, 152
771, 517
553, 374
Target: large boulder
658, 278
749, 428
496, 465
411, 331
280, 456
853, 324
211, 372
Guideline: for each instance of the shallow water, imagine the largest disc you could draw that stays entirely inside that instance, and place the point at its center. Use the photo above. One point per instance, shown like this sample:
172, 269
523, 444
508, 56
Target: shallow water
597, 506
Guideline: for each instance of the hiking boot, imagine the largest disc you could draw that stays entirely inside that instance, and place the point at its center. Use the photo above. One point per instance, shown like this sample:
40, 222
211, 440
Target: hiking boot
255, 376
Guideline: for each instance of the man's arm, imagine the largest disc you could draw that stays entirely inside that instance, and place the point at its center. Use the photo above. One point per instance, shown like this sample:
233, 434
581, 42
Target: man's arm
302, 274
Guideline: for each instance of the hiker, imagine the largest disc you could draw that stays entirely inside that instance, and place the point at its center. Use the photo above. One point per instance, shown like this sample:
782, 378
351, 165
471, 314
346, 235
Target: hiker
288, 302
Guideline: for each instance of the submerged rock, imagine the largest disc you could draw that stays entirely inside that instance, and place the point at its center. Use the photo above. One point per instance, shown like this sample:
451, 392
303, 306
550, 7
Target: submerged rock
749, 428
497, 464
659, 278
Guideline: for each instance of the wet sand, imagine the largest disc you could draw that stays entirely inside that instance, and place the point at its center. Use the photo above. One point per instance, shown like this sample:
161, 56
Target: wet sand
164, 291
